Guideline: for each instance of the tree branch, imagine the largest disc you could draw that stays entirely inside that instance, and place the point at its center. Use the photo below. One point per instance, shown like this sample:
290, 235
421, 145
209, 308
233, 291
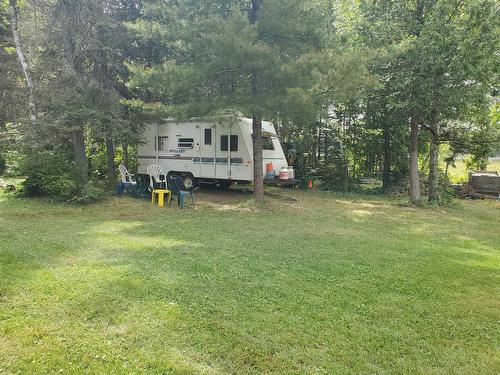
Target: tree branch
340, 80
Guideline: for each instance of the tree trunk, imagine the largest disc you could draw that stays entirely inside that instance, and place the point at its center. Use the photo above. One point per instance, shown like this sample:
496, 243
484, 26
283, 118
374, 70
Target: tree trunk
66, 9
81, 163
434, 164
326, 145
318, 159
35, 16
14, 24
414, 178
254, 10
125, 154
386, 172
110, 156
354, 149
258, 181
345, 173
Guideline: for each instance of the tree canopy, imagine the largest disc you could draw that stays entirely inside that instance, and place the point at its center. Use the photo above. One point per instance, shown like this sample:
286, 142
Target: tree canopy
391, 89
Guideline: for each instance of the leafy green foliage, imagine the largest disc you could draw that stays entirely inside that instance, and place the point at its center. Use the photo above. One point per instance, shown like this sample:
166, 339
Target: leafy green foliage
211, 57
49, 174
337, 77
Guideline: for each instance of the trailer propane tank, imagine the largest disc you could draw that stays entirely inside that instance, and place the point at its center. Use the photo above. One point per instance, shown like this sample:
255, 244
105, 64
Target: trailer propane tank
291, 173
269, 168
284, 173
269, 171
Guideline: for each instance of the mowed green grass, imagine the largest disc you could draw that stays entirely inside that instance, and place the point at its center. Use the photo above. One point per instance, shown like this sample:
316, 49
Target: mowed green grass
328, 284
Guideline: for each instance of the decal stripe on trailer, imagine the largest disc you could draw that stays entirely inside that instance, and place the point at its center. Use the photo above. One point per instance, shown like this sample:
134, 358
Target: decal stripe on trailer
196, 159
167, 157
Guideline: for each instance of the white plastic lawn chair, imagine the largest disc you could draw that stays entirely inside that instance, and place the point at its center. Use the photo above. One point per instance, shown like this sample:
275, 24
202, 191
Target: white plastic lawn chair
155, 172
156, 175
125, 175
127, 181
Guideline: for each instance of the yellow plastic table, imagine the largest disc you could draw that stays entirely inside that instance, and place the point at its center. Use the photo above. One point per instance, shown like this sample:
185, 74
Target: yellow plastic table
161, 196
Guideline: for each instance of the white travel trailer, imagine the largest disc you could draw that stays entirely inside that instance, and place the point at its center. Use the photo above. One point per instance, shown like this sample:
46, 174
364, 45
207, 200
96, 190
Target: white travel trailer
208, 150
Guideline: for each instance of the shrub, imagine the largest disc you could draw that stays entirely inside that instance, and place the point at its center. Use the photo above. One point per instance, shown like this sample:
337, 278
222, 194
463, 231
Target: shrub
93, 192
49, 174
334, 178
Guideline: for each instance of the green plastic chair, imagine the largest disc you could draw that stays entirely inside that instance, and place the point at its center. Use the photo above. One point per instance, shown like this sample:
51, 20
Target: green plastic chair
176, 186
142, 189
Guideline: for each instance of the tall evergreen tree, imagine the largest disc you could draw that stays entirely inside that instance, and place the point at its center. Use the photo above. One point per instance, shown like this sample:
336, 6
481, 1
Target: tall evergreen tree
243, 55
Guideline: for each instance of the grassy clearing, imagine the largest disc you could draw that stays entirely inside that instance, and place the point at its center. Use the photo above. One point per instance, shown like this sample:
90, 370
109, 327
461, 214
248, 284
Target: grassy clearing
326, 284
459, 173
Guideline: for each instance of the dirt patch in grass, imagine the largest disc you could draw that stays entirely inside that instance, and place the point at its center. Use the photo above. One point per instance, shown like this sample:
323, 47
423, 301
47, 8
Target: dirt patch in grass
239, 196
215, 195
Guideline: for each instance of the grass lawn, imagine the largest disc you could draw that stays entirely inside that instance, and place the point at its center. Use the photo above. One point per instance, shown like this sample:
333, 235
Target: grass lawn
327, 284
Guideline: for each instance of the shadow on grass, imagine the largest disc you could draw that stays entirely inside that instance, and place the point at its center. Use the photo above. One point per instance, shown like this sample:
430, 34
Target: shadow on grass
247, 292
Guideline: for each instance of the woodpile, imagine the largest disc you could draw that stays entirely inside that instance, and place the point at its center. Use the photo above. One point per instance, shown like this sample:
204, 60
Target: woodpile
482, 185
466, 191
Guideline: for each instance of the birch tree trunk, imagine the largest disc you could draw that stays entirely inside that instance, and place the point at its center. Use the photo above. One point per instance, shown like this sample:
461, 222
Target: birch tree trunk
14, 24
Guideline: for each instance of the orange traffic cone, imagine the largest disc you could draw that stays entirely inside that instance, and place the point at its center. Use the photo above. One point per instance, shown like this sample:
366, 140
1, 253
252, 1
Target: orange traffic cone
310, 184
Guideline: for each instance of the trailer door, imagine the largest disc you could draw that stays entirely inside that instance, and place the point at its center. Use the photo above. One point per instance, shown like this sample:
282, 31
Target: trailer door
223, 153
207, 151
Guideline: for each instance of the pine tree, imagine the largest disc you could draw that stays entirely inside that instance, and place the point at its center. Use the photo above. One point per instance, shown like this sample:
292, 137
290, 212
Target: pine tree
226, 54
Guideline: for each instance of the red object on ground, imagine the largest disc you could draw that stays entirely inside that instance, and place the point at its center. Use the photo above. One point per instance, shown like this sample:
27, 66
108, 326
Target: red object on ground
310, 184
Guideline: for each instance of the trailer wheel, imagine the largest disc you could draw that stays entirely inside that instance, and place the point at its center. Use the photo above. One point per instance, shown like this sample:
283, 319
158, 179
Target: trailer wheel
188, 180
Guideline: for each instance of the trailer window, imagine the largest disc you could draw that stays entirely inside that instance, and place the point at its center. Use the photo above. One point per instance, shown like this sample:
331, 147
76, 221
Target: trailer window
267, 143
229, 143
234, 143
185, 143
224, 142
208, 136
162, 143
